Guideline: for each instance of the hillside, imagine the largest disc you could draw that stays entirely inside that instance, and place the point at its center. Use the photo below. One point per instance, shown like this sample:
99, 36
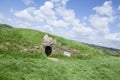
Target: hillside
5, 26
85, 63
106, 50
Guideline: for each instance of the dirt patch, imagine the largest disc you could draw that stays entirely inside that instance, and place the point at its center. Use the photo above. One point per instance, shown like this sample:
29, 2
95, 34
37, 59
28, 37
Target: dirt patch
53, 59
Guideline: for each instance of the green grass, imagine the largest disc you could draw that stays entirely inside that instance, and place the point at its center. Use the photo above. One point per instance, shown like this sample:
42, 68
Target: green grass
17, 65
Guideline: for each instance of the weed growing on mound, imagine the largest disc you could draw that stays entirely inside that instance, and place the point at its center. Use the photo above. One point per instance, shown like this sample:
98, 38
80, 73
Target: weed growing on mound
86, 64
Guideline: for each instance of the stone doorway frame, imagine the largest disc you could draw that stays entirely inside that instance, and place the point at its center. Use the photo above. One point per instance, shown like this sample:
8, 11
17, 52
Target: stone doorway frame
48, 50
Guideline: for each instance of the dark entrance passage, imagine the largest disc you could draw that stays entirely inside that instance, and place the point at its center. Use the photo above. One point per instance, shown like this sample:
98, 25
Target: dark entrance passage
48, 50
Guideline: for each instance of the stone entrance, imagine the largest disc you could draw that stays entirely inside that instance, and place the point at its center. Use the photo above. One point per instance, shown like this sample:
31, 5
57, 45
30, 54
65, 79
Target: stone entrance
48, 44
48, 50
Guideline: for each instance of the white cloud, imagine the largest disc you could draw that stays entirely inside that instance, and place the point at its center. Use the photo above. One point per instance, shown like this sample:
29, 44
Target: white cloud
11, 10
1, 17
54, 17
60, 2
113, 37
48, 4
25, 14
44, 13
66, 14
45, 28
82, 30
119, 7
14, 22
105, 9
22, 24
118, 25
28, 2
101, 23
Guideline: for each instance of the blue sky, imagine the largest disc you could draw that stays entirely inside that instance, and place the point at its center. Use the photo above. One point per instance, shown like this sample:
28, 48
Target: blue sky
90, 21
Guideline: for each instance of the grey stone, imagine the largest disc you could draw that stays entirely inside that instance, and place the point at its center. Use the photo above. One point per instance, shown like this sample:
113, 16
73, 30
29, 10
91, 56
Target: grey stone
48, 41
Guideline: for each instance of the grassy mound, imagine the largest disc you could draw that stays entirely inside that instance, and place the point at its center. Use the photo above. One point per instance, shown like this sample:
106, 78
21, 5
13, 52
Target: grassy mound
5, 26
19, 60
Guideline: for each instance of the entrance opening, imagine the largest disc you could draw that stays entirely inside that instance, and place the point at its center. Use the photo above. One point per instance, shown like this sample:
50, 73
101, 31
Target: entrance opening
48, 50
